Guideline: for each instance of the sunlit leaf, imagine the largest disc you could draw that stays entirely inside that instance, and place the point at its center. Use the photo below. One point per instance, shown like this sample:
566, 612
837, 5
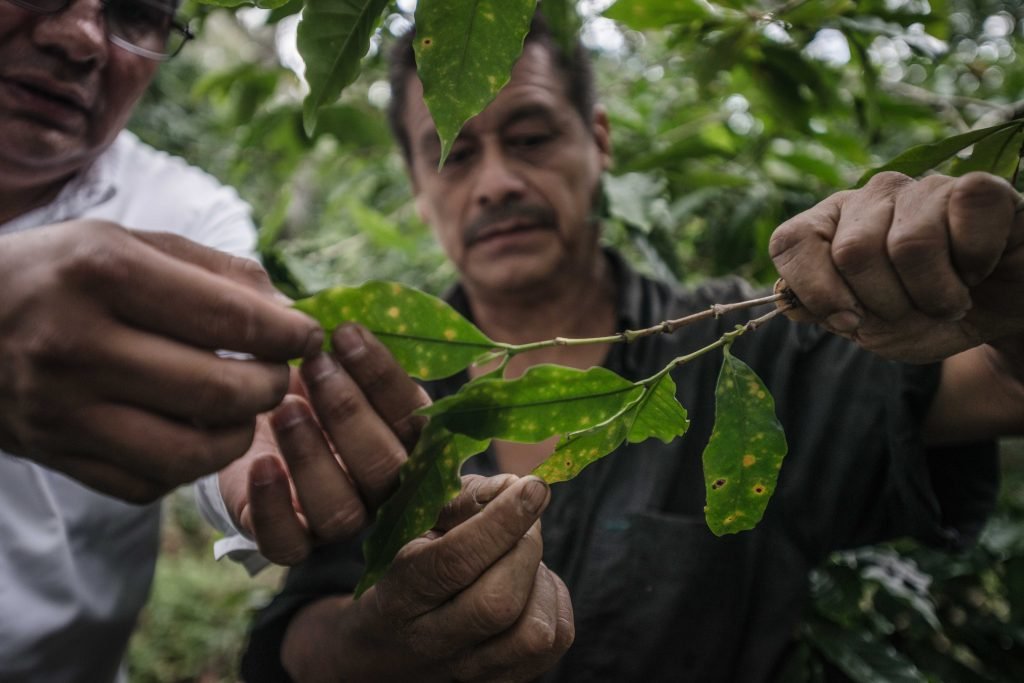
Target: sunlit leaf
427, 336
465, 50
657, 413
546, 400
921, 158
745, 452
429, 479
333, 37
653, 14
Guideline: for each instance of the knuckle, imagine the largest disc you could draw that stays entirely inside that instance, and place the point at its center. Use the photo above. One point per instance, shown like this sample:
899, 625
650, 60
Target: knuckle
887, 182
343, 523
452, 570
380, 474
494, 610
853, 254
287, 555
340, 407
102, 261
912, 250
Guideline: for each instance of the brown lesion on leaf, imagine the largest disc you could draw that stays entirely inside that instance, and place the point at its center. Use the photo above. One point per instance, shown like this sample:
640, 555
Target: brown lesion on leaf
759, 489
427, 42
717, 484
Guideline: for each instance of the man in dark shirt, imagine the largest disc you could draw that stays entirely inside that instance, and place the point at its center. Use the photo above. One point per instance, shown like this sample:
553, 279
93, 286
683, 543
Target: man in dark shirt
625, 564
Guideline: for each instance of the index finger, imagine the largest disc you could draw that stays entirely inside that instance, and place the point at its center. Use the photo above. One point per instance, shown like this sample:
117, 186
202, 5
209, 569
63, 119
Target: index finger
197, 304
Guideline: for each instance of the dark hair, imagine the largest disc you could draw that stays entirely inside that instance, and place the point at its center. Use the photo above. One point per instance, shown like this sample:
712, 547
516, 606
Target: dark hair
577, 71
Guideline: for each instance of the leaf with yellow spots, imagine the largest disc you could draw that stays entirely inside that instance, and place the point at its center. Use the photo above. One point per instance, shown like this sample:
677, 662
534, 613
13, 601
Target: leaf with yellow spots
429, 479
465, 50
657, 413
745, 452
546, 400
427, 336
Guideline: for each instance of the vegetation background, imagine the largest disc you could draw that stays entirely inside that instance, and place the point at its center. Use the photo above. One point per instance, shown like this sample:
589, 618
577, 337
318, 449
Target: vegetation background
728, 117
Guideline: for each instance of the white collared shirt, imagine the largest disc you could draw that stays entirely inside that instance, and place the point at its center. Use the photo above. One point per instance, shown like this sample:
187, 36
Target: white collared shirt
75, 565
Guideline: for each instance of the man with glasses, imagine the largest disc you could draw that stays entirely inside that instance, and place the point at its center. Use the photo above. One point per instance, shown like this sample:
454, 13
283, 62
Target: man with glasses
109, 387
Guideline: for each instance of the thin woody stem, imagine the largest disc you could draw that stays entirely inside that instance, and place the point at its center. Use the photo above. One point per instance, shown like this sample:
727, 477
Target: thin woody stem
725, 340
664, 327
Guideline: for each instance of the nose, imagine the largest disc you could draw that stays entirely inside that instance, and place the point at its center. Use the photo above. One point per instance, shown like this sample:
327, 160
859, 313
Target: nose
78, 32
498, 180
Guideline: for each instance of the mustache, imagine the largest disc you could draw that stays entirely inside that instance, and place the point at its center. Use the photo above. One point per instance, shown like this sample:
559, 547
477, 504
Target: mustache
530, 214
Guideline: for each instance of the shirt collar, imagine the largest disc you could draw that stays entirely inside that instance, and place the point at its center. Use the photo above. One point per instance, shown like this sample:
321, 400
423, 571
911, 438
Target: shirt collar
89, 188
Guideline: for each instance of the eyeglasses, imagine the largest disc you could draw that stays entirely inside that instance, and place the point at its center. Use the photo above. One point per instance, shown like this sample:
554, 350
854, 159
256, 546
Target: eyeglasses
143, 27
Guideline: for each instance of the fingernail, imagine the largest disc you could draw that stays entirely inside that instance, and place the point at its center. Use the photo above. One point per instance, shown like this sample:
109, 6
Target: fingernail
844, 321
318, 368
263, 472
534, 493
348, 341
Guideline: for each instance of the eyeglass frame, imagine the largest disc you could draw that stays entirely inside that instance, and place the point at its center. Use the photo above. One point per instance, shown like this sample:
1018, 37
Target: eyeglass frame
182, 29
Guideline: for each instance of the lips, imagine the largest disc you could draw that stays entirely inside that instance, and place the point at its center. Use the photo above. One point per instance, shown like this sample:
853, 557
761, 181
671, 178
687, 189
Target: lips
49, 98
499, 230
509, 220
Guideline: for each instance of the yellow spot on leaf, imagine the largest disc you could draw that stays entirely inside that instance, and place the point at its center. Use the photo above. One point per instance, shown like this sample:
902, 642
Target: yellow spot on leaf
393, 312
749, 460
449, 334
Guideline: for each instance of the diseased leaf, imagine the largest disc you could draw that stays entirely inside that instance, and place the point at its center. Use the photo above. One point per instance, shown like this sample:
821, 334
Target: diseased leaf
427, 336
745, 452
546, 400
333, 37
921, 158
429, 479
465, 50
656, 413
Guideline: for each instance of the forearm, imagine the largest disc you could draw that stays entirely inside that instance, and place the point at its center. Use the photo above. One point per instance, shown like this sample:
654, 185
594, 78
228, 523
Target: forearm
980, 396
343, 639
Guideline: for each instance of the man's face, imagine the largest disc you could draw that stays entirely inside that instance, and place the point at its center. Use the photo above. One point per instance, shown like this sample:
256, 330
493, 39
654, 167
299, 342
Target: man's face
512, 206
65, 91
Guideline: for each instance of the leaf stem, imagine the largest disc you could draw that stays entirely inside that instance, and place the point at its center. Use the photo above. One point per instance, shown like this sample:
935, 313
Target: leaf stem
664, 327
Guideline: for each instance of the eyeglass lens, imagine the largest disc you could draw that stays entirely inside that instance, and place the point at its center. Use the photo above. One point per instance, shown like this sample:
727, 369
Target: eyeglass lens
147, 25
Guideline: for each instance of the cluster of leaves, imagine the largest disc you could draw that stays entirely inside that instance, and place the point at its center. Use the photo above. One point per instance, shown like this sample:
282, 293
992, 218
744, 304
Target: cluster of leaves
728, 118
595, 411
913, 615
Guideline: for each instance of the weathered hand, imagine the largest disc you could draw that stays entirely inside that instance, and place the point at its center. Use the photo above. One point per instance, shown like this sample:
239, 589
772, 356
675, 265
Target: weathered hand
473, 597
912, 270
316, 478
108, 370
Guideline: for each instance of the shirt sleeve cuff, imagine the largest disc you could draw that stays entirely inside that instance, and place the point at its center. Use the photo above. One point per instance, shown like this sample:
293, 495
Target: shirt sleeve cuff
236, 545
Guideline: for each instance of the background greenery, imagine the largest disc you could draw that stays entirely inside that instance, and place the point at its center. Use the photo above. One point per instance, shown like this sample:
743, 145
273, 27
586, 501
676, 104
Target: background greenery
728, 117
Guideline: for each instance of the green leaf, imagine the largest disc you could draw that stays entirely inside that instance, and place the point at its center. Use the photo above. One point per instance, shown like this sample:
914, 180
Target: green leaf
429, 479
333, 37
921, 158
631, 196
862, 656
997, 154
564, 22
427, 336
465, 50
546, 400
642, 15
656, 413
745, 452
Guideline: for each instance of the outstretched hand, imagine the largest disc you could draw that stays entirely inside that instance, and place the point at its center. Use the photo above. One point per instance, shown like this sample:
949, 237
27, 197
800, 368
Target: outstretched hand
329, 454
913, 270
107, 340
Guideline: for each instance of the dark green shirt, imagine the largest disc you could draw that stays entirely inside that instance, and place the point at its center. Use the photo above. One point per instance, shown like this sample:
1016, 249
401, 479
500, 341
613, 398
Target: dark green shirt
656, 596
